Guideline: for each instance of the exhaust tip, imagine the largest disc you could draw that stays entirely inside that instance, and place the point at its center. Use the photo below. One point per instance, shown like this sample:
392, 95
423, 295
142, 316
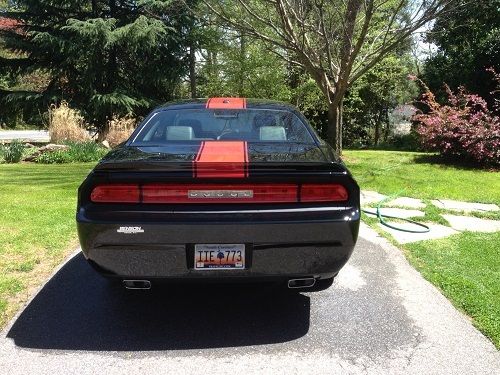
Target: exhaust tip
137, 284
307, 282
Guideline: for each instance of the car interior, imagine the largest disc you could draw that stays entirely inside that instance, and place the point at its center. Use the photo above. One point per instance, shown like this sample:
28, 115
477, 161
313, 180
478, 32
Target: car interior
256, 126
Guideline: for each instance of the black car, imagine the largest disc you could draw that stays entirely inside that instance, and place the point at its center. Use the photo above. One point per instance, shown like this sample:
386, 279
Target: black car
228, 190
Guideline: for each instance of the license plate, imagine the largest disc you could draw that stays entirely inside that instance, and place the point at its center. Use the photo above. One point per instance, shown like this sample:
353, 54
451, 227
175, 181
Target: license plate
219, 256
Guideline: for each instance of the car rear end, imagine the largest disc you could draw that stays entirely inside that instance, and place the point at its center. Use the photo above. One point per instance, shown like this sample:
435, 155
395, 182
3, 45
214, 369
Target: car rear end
257, 198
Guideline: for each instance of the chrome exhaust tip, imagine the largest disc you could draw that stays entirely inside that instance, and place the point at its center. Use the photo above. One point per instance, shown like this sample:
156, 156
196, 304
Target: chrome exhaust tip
301, 283
137, 284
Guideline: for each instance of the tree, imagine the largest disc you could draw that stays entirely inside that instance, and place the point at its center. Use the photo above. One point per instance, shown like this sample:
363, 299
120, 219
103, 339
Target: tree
103, 57
467, 40
335, 41
233, 65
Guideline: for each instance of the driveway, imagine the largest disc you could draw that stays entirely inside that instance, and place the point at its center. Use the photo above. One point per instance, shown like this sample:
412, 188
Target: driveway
380, 317
24, 135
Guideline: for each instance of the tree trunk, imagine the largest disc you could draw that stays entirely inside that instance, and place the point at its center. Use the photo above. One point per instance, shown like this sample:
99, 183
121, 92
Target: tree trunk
378, 122
387, 132
241, 74
334, 133
192, 70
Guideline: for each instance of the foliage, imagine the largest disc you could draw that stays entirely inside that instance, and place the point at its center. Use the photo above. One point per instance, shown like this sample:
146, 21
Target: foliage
120, 129
371, 99
239, 66
13, 152
103, 57
465, 128
334, 42
79, 152
66, 124
367, 104
467, 40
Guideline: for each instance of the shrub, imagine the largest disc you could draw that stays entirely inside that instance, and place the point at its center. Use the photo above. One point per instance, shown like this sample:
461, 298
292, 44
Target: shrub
120, 129
66, 124
85, 151
13, 152
78, 152
403, 142
55, 157
465, 128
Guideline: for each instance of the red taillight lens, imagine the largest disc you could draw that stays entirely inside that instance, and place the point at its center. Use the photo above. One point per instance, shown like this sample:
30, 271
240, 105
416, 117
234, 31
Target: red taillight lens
262, 193
214, 193
323, 193
119, 193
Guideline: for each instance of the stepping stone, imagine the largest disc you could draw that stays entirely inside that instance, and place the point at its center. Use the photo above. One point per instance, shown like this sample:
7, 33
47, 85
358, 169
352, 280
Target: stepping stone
464, 206
437, 231
368, 197
406, 202
473, 224
399, 212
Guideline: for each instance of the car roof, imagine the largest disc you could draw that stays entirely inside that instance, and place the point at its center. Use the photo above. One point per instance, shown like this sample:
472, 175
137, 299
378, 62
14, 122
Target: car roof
249, 104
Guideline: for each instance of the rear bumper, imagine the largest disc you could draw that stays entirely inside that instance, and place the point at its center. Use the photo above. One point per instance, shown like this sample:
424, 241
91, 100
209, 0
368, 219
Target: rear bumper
274, 249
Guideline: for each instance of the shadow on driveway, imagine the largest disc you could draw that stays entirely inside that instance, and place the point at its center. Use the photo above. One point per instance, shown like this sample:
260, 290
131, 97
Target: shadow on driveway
78, 310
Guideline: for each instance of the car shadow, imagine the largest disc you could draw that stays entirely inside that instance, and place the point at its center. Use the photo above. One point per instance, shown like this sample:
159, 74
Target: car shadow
79, 310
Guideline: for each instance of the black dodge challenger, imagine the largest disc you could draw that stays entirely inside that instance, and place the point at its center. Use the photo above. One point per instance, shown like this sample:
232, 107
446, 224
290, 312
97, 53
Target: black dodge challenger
225, 189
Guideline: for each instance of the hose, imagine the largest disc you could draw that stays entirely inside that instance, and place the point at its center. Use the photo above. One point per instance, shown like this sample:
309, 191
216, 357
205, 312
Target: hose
382, 218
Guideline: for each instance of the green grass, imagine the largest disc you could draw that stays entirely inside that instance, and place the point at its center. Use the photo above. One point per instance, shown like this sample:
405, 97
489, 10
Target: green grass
466, 267
419, 175
37, 225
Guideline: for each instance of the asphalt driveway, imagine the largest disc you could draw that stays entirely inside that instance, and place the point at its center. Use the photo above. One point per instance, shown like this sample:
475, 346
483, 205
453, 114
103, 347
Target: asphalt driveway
379, 317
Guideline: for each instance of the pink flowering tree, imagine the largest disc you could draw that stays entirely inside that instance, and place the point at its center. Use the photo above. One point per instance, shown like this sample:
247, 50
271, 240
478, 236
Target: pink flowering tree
464, 128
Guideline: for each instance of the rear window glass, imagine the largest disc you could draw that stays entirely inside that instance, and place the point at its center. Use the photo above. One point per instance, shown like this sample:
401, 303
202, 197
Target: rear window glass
251, 125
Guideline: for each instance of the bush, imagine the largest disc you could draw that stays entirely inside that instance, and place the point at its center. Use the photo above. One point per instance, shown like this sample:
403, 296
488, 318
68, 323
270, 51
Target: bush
13, 152
77, 152
465, 128
120, 129
403, 142
66, 124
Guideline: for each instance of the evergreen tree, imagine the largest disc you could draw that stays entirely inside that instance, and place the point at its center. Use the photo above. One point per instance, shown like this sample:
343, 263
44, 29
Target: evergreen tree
468, 44
104, 57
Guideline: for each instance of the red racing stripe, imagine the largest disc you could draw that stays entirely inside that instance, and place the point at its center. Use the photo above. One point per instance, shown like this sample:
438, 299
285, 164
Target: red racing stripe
226, 103
221, 159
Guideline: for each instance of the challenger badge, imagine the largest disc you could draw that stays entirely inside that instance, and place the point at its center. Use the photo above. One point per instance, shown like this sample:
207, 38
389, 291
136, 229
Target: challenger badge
220, 194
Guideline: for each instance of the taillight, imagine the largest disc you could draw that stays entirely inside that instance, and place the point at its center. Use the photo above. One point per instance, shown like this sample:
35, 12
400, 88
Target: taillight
116, 193
323, 193
215, 193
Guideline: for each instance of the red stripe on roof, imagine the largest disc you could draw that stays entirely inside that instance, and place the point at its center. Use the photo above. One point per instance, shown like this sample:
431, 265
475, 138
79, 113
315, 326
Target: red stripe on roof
221, 159
226, 103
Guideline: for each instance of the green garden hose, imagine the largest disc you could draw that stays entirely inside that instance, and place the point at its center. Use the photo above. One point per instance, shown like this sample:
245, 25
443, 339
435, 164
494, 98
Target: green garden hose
382, 218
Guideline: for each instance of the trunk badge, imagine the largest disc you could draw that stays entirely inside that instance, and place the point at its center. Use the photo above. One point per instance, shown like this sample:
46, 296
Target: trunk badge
221, 194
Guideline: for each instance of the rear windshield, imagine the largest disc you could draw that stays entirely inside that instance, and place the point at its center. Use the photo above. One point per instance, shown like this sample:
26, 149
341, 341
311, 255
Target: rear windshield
251, 125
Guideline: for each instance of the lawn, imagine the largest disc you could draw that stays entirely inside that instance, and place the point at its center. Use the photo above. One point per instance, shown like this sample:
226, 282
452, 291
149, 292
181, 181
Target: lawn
466, 266
37, 226
419, 175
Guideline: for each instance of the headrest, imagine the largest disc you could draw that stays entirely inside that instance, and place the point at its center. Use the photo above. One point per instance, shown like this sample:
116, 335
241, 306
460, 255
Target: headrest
179, 133
272, 133
195, 124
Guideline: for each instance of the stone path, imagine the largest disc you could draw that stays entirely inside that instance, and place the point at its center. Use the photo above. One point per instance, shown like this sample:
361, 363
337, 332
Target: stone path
405, 207
474, 224
446, 204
